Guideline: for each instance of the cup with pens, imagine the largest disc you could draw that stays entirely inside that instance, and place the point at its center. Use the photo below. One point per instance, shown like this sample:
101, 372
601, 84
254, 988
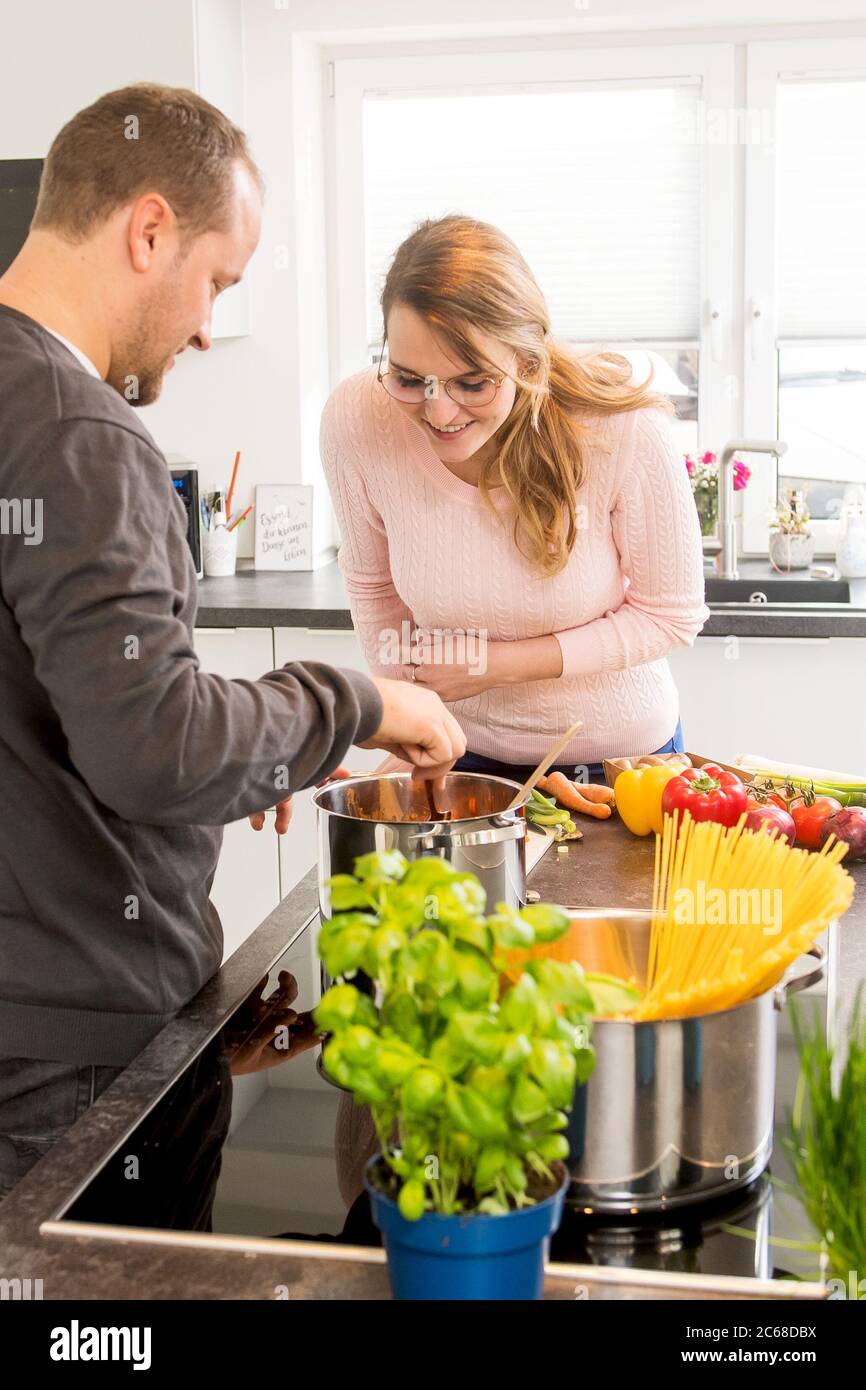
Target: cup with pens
220, 529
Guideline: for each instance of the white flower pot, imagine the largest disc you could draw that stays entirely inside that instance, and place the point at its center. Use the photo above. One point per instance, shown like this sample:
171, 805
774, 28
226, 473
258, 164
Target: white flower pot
791, 552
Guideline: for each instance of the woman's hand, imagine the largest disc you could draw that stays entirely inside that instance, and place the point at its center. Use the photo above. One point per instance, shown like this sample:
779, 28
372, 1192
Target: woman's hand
499, 663
456, 681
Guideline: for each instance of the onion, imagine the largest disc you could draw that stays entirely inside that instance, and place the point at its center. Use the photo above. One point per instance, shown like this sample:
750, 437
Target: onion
771, 818
849, 825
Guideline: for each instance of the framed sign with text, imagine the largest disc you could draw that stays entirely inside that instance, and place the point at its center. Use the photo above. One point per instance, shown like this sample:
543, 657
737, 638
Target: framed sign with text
284, 526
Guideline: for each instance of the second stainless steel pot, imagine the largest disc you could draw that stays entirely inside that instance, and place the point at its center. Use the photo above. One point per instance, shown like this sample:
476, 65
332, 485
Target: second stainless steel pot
675, 1110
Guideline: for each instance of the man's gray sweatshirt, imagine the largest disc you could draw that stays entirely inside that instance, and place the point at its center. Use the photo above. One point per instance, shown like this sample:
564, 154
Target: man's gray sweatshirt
120, 760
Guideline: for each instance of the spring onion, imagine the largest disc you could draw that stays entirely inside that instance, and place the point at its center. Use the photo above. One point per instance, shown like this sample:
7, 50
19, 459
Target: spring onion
543, 811
850, 790
751, 762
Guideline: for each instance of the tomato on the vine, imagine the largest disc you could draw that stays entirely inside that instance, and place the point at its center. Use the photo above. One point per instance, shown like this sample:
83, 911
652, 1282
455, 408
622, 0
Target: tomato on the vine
809, 819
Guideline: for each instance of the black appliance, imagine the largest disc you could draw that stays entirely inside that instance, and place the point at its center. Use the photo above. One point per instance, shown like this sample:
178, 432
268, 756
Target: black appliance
185, 482
19, 189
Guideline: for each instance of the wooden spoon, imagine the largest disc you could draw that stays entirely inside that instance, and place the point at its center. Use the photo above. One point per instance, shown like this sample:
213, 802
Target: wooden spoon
546, 762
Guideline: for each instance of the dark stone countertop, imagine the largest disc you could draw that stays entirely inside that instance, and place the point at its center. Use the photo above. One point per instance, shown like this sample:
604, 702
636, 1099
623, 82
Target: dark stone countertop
295, 598
317, 599
609, 867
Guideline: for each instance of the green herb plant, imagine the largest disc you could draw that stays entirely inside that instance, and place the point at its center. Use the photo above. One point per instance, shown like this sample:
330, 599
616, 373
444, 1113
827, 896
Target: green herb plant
469, 1078
827, 1142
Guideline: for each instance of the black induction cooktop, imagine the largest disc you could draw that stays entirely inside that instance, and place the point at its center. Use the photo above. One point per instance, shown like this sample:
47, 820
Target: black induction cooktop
292, 1163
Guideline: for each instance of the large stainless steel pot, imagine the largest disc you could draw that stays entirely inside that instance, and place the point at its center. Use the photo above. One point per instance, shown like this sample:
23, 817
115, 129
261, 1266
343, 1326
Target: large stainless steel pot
362, 814
678, 1110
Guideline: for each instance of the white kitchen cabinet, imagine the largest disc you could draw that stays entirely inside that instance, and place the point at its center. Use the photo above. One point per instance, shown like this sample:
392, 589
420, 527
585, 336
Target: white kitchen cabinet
794, 698
257, 869
247, 883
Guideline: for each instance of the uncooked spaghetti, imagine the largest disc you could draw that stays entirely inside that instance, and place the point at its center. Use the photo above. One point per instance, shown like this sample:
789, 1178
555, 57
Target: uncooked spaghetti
703, 957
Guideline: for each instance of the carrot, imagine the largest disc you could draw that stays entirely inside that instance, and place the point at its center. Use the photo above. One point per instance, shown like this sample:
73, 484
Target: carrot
590, 791
594, 791
543, 784
558, 785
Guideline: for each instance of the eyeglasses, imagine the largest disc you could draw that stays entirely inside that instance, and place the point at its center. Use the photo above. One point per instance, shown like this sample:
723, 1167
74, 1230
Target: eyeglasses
474, 388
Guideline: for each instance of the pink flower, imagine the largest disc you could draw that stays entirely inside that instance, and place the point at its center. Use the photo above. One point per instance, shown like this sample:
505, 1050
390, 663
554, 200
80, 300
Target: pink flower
742, 474
690, 464
708, 458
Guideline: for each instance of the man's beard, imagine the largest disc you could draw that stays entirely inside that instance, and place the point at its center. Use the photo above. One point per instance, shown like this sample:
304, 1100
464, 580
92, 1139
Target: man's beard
139, 362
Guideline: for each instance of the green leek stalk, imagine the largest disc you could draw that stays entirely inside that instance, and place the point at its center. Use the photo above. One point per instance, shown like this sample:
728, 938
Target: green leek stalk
851, 791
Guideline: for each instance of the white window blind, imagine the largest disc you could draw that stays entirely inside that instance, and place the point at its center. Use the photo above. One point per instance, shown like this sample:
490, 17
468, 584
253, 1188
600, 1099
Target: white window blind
821, 209
599, 186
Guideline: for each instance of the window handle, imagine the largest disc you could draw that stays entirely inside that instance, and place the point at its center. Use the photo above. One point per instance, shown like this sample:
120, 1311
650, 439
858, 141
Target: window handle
756, 326
717, 344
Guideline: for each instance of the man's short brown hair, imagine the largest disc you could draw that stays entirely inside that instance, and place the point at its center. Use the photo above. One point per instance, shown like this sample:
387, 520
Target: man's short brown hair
144, 138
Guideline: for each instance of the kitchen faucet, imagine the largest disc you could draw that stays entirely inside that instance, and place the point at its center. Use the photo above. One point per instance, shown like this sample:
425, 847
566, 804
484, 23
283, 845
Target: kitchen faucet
726, 560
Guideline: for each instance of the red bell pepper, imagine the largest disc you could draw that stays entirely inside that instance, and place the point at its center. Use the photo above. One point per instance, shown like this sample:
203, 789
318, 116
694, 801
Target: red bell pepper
707, 793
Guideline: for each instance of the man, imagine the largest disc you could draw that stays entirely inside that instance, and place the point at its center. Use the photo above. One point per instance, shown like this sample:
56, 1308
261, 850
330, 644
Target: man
120, 760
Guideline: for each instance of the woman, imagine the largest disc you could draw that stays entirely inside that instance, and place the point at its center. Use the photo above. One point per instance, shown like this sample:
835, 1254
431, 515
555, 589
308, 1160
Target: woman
522, 505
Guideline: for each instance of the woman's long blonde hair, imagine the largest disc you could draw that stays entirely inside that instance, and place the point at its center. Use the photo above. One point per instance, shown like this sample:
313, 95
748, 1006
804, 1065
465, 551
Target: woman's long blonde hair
458, 275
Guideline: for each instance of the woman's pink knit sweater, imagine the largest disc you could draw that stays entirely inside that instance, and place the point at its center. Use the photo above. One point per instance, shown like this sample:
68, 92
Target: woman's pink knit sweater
420, 548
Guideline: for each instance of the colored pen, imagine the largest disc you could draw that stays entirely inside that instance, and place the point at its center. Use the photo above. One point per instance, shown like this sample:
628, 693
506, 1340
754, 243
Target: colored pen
232, 485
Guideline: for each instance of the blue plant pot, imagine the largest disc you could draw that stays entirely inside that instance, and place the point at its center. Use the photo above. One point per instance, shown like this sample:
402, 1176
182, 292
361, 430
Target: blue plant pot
466, 1257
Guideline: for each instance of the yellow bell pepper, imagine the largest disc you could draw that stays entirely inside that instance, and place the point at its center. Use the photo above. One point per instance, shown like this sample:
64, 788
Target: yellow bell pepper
638, 793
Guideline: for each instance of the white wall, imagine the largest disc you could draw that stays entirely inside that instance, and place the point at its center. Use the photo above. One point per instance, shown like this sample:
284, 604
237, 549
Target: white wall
259, 393
58, 56
263, 394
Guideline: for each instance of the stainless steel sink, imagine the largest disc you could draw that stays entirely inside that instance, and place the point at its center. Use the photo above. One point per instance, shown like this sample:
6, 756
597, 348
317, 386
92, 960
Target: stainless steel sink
776, 591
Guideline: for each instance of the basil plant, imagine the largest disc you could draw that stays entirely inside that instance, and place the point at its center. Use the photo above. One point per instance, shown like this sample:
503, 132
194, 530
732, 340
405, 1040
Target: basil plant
469, 1077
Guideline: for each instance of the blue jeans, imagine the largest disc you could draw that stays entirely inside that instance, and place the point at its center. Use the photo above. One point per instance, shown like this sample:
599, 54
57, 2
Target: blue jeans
178, 1143
474, 762
39, 1103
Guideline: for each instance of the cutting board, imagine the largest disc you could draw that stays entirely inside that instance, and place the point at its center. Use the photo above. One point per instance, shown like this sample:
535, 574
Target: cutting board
536, 848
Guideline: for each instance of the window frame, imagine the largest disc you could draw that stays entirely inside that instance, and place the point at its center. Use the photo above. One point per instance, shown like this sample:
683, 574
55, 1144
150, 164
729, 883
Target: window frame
767, 63
713, 64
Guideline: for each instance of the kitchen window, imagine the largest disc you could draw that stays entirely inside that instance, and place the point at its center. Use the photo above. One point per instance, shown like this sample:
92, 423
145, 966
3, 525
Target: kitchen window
822, 417
595, 163
723, 239
561, 172
805, 341
821, 130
